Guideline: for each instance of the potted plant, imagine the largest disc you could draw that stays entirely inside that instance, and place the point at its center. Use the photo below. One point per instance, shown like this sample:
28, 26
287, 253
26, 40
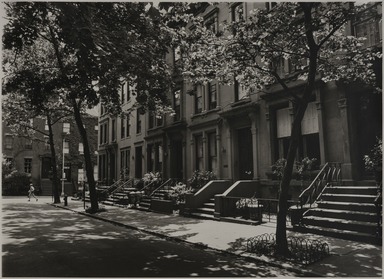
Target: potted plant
374, 161
178, 193
200, 178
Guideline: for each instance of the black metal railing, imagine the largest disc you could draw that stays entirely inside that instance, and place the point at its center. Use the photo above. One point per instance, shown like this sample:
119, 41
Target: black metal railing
301, 250
329, 175
379, 210
165, 185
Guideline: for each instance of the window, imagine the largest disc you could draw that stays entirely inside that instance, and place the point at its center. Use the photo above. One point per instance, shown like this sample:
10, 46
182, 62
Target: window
128, 126
128, 92
176, 54
122, 127
27, 165
212, 152
237, 12
199, 100
103, 133
123, 93
67, 172
46, 143
154, 120
240, 92
199, 152
211, 23
155, 157
96, 127
370, 30
66, 146
270, 5
46, 125
283, 123
81, 148
138, 122
212, 95
28, 144
176, 104
66, 128
113, 130
8, 142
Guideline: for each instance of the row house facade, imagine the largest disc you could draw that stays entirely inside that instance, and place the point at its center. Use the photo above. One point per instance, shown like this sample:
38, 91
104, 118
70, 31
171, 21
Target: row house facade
33, 156
220, 128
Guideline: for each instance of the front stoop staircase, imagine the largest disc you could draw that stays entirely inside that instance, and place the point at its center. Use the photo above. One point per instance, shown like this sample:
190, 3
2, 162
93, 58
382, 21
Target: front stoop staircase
347, 211
206, 211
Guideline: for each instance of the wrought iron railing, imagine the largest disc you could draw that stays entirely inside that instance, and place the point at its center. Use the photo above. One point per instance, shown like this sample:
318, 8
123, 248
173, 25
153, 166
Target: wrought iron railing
329, 175
379, 210
149, 188
168, 183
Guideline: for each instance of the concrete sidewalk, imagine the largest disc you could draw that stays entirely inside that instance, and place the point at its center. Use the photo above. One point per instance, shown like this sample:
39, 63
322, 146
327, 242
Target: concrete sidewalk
347, 259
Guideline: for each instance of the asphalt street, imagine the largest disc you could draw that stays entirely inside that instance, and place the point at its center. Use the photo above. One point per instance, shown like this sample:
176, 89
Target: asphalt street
39, 240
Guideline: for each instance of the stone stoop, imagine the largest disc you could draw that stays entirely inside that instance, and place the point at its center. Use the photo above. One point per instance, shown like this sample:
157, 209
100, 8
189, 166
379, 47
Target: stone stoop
206, 211
346, 212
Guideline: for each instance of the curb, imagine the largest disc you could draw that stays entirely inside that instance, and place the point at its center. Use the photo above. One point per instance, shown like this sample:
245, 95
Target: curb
305, 273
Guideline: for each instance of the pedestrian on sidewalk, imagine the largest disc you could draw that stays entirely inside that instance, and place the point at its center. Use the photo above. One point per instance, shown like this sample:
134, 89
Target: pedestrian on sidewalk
31, 192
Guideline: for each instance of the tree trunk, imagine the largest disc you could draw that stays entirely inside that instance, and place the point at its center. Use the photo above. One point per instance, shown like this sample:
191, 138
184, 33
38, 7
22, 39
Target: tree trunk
281, 234
87, 158
55, 177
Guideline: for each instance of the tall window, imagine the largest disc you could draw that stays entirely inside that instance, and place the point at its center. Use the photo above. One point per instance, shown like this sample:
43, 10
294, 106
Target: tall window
212, 95
368, 24
176, 104
212, 152
103, 132
8, 142
122, 128
46, 143
237, 12
211, 23
138, 122
128, 126
81, 148
199, 152
27, 165
124, 161
123, 93
283, 123
113, 129
199, 100
66, 128
66, 146
240, 92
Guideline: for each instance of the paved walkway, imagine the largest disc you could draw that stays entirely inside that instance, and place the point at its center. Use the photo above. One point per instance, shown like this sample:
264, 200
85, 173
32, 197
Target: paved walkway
347, 259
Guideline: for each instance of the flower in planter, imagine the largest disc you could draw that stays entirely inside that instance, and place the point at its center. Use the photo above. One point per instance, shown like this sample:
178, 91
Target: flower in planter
374, 161
305, 165
278, 168
246, 202
178, 192
151, 176
200, 178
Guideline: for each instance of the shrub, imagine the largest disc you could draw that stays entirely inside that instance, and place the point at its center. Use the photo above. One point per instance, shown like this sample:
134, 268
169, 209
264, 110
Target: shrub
16, 183
200, 178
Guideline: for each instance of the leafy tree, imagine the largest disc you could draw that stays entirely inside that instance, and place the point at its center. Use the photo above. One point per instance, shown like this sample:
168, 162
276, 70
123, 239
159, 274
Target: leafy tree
95, 46
30, 78
310, 35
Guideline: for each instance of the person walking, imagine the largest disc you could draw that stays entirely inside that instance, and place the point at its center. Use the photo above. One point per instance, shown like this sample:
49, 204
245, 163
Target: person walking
31, 192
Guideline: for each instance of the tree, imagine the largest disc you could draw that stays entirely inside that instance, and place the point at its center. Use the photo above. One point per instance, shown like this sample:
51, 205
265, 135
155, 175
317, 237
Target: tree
95, 46
29, 92
311, 36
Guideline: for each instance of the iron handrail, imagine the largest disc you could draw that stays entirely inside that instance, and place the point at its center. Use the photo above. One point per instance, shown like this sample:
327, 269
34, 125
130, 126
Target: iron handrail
115, 184
329, 174
149, 185
122, 185
158, 188
378, 204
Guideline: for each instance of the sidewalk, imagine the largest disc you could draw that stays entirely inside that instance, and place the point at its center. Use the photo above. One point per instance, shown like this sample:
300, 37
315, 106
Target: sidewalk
347, 258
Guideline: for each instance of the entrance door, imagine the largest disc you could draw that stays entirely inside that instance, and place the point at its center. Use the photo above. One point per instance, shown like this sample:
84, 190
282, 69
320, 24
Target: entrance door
177, 160
138, 162
245, 158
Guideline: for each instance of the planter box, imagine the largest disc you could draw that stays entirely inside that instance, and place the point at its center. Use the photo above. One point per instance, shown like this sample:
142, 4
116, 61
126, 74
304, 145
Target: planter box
256, 213
162, 206
296, 215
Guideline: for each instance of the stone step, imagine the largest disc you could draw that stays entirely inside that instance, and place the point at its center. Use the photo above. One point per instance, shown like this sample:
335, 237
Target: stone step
343, 214
205, 210
202, 215
357, 190
348, 198
342, 234
362, 207
325, 222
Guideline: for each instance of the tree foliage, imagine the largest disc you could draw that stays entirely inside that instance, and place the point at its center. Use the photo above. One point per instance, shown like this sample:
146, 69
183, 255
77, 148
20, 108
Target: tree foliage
311, 37
92, 48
